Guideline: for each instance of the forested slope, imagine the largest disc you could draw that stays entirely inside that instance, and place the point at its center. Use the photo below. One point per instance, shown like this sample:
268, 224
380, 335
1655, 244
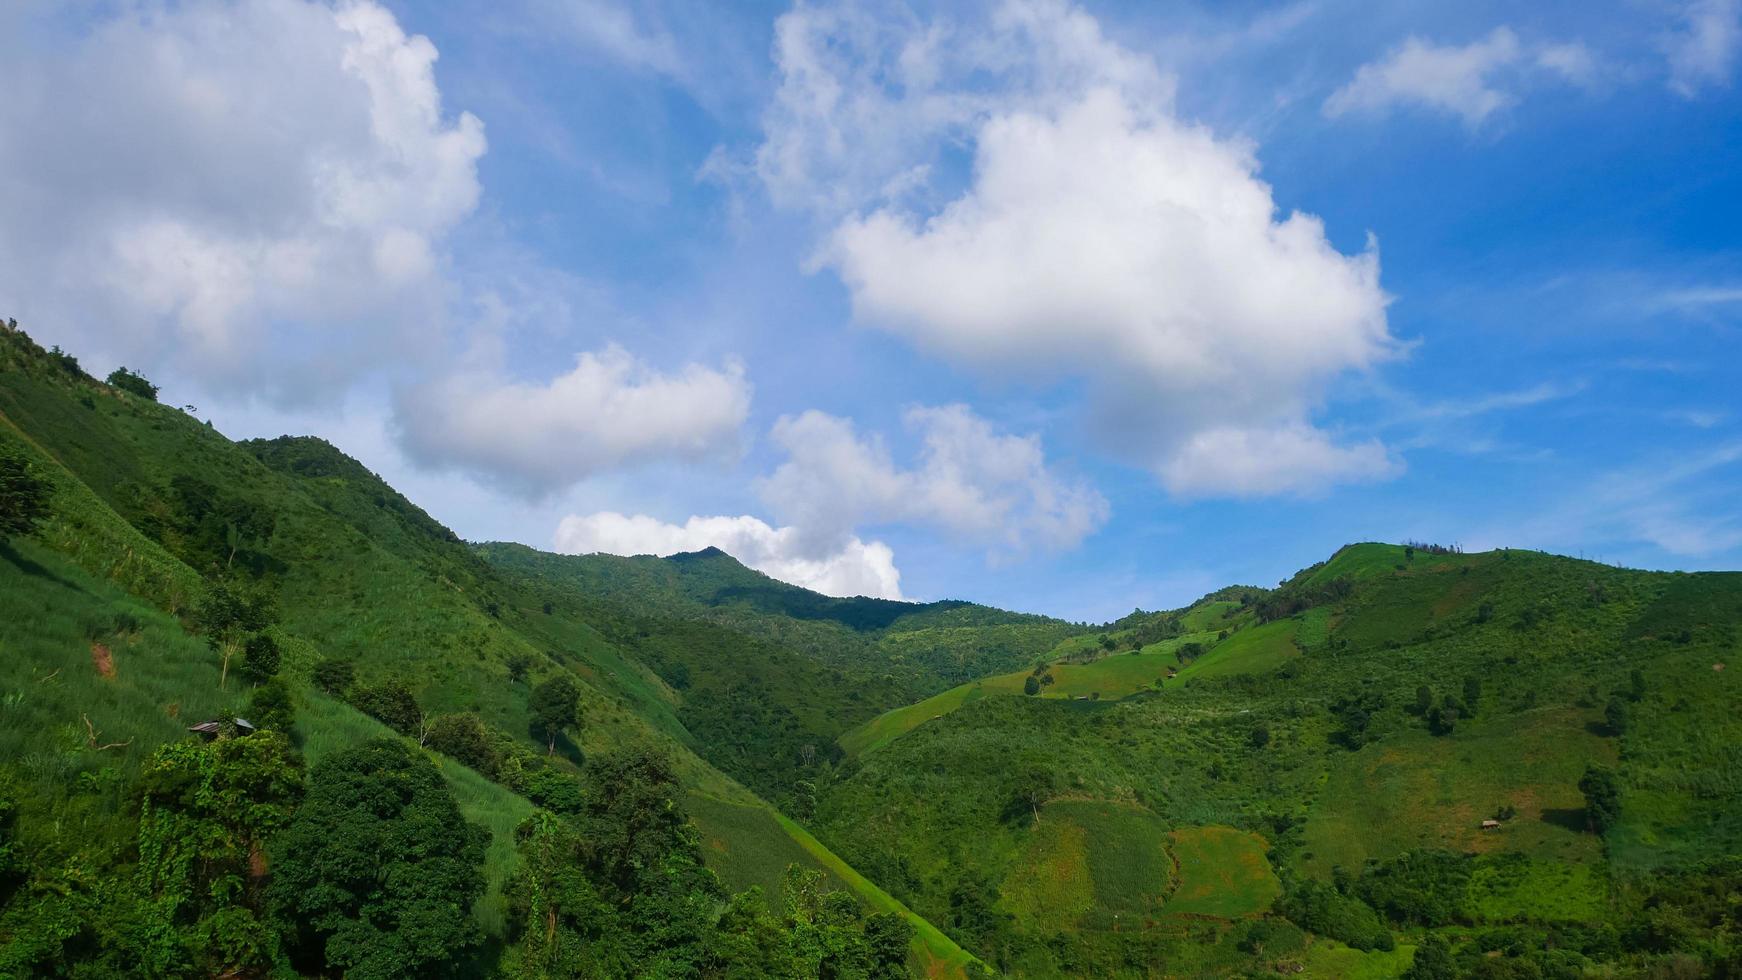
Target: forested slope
175, 577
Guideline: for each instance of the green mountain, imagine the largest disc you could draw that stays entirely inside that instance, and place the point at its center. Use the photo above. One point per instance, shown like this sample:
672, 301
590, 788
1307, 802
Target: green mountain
481, 759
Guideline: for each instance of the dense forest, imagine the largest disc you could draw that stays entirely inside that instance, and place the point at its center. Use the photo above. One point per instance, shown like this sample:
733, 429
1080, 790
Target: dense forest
261, 715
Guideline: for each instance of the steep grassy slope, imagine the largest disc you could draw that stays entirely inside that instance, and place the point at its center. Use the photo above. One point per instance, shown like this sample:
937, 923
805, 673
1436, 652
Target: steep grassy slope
148, 500
1302, 731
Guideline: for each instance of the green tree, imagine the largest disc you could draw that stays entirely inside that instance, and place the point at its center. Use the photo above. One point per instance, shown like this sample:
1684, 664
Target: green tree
1424, 700
230, 615
270, 706
1602, 798
550, 900
133, 383
23, 495
1636, 685
1031, 685
260, 657
463, 738
1472, 692
391, 703
377, 873
1433, 961
206, 812
1615, 716
1258, 737
556, 706
1029, 791
335, 675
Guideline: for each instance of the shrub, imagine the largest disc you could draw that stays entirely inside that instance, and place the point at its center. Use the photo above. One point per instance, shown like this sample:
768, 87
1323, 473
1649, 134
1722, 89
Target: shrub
462, 737
133, 383
390, 703
335, 675
23, 495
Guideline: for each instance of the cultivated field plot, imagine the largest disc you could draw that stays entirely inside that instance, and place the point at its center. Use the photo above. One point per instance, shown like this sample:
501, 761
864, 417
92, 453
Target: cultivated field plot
1222, 872
1418, 791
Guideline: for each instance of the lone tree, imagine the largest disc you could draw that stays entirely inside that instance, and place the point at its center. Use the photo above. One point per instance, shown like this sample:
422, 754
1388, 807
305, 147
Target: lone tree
23, 495
1031, 685
1615, 716
1602, 798
555, 708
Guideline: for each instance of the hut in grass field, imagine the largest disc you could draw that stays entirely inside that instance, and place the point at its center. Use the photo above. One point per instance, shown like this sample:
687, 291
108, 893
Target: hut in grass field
214, 729
1490, 824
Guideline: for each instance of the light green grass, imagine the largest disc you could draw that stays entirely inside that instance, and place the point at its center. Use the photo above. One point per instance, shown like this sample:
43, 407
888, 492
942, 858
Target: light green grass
1248, 651
747, 847
1416, 790
1334, 961
1222, 872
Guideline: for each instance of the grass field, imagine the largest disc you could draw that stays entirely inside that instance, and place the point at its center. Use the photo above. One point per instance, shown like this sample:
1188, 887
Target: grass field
1419, 791
1091, 864
1334, 961
1222, 872
1248, 651
746, 846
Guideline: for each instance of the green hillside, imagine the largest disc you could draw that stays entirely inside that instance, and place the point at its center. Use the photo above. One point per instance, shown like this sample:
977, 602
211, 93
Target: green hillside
111, 649
1318, 770
602, 766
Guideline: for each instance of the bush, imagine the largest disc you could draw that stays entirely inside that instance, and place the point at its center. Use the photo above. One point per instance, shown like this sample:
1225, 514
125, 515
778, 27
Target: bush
23, 495
335, 675
1320, 908
390, 703
132, 383
260, 657
462, 737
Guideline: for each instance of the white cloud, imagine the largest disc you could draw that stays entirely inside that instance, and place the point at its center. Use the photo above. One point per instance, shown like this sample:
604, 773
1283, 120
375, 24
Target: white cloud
853, 568
1451, 78
1127, 248
1098, 239
1702, 53
870, 96
1258, 462
1473, 81
975, 483
613, 31
259, 191
609, 411
1571, 60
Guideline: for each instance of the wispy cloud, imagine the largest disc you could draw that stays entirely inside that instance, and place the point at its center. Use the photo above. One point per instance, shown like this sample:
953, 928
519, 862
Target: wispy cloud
1669, 503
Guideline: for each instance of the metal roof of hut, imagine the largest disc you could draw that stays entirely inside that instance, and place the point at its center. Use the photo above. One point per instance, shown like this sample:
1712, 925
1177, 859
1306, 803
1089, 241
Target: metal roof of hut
211, 729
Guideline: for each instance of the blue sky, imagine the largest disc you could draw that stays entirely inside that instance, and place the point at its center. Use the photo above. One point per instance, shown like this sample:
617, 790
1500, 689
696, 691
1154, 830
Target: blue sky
1062, 307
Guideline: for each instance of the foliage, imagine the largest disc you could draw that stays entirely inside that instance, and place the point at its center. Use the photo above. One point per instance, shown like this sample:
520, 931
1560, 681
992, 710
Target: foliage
391, 703
555, 708
376, 873
133, 383
207, 811
24, 495
463, 738
1602, 798
335, 675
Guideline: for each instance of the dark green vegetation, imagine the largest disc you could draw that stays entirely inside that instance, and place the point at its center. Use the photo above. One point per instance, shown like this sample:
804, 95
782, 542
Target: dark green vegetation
430, 757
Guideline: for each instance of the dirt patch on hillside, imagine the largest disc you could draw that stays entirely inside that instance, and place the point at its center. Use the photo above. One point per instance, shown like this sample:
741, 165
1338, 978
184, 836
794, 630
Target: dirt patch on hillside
103, 661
